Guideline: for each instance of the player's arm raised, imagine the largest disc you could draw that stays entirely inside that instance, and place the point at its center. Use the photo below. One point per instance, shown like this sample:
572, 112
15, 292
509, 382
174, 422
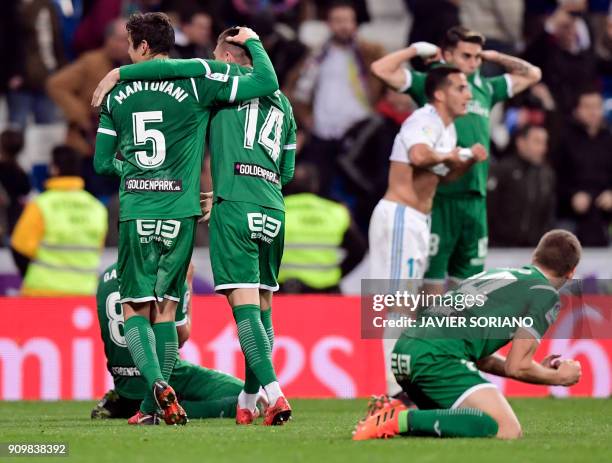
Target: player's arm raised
261, 82
522, 73
520, 365
391, 68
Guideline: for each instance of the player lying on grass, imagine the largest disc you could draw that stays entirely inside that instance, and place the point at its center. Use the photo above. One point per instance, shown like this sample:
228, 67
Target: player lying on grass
440, 368
203, 392
252, 149
159, 127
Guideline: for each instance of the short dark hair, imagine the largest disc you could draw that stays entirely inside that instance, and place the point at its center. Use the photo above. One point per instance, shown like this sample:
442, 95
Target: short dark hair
11, 142
523, 132
66, 160
458, 34
588, 89
231, 32
155, 28
339, 4
558, 251
437, 78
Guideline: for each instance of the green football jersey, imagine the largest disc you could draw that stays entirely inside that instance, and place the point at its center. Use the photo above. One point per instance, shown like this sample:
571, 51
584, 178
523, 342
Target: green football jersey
119, 363
506, 295
159, 127
252, 149
472, 128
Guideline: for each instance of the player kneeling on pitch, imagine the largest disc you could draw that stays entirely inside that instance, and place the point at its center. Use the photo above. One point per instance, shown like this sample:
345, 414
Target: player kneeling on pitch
204, 393
441, 374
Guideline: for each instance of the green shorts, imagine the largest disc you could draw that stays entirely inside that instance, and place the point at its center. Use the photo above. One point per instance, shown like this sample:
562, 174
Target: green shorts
153, 258
459, 237
246, 245
432, 377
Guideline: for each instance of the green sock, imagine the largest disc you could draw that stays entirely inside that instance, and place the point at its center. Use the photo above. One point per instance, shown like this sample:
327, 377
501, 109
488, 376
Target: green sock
266, 321
251, 385
166, 346
224, 407
460, 422
140, 340
254, 343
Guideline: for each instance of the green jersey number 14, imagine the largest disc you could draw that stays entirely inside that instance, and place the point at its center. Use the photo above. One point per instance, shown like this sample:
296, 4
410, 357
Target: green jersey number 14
270, 132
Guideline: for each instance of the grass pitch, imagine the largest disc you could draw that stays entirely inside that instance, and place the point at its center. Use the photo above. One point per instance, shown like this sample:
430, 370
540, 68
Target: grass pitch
555, 431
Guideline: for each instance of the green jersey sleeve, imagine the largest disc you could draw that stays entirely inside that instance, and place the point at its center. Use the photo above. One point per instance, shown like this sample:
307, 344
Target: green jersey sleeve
501, 88
215, 82
415, 86
105, 162
287, 166
543, 309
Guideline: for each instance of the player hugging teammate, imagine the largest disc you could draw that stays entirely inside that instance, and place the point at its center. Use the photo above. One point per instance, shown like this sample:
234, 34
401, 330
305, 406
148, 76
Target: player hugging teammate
157, 117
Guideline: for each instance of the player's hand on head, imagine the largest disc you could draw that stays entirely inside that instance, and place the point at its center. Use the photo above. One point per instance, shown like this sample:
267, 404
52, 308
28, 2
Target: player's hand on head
105, 86
425, 49
244, 34
489, 55
569, 372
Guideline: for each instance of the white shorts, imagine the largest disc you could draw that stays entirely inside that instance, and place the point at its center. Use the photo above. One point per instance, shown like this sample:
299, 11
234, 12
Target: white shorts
399, 242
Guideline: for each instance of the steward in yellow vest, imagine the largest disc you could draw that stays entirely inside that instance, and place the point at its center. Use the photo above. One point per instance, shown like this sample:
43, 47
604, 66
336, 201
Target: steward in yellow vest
58, 239
322, 244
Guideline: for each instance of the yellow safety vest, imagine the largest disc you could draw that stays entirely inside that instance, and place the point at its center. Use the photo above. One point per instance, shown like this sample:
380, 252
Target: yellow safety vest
314, 230
67, 259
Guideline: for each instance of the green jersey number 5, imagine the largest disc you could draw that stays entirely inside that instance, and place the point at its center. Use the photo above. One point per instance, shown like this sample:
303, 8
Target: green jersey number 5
142, 135
270, 132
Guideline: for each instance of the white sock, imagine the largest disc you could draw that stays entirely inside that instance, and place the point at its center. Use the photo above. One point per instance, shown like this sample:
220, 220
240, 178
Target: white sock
246, 400
392, 387
274, 391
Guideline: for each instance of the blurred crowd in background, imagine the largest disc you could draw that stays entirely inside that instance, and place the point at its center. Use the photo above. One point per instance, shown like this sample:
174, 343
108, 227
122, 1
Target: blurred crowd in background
551, 159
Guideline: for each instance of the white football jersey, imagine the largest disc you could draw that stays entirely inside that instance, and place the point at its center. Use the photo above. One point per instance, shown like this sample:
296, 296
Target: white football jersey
424, 126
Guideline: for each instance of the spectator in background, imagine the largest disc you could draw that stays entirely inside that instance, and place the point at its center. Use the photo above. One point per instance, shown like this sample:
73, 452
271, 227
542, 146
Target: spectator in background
58, 240
584, 167
10, 56
364, 158
286, 52
72, 88
431, 19
335, 90
565, 54
194, 39
40, 53
500, 21
13, 179
91, 31
521, 192
317, 234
